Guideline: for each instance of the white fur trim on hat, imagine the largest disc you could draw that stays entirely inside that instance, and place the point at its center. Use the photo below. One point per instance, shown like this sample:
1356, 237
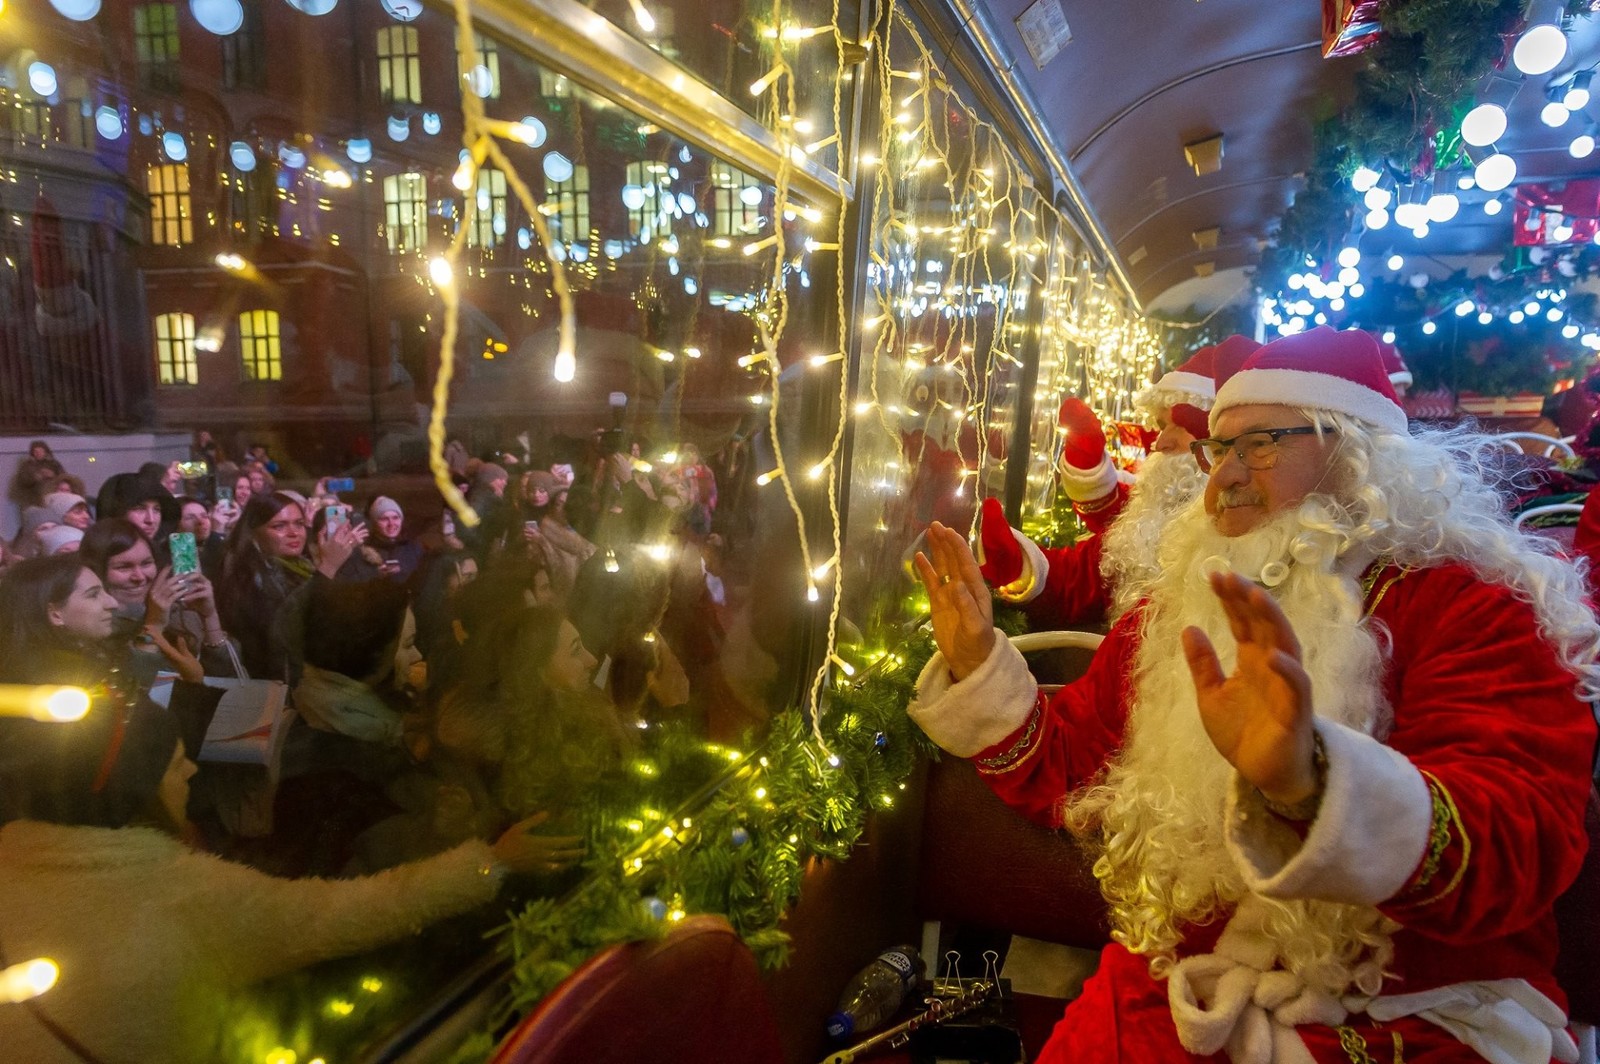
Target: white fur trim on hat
1319, 391
1177, 387
1035, 572
1401, 379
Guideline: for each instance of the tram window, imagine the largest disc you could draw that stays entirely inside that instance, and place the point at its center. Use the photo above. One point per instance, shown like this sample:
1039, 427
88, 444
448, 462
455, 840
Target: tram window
626, 603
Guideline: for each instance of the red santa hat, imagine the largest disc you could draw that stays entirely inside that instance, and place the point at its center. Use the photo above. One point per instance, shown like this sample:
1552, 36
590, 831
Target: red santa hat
1220, 361
1395, 366
1190, 383
1323, 369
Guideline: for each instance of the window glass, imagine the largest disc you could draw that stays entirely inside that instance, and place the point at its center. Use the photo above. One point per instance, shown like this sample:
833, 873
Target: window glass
175, 362
735, 49
249, 296
956, 242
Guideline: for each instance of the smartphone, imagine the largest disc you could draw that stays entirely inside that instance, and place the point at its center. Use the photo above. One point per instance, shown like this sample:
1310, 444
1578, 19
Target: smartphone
337, 515
192, 470
224, 493
447, 525
338, 484
185, 555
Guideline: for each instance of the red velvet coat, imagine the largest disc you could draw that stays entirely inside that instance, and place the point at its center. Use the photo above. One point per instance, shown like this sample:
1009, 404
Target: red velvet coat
1487, 715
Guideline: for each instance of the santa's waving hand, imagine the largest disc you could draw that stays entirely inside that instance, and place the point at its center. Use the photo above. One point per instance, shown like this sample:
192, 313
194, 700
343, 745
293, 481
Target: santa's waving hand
1260, 717
963, 617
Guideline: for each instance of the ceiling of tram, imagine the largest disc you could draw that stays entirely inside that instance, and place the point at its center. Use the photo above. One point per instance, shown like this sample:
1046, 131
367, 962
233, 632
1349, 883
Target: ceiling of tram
1140, 79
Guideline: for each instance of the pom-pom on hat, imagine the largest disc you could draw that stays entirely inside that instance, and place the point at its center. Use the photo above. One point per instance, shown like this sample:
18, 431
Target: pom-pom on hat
1394, 365
1323, 369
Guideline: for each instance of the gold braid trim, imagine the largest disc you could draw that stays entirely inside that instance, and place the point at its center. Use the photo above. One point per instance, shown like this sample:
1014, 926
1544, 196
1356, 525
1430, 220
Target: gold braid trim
1399, 1048
1369, 581
1446, 827
1354, 1046
1020, 751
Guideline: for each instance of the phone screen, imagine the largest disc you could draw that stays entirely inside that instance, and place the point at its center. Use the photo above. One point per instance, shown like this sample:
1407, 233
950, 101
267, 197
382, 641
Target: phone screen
185, 556
337, 515
224, 494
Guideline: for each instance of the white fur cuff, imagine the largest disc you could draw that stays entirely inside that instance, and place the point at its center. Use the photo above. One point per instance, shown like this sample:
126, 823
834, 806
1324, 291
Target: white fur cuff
1367, 839
968, 717
1087, 485
1035, 571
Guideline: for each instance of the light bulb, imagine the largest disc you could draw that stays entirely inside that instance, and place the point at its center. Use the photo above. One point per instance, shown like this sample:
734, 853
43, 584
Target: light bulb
1465, 307
566, 366
1429, 328
439, 269
1443, 207
1485, 318
1364, 178
1540, 49
1582, 146
1492, 206
1576, 98
1395, 262
1554, 113
1377, 198
1483, 125
25, 981
1496, 172
1388, 336
1515, 317
1349, 256
1377, 219
1420, 231
1532, 307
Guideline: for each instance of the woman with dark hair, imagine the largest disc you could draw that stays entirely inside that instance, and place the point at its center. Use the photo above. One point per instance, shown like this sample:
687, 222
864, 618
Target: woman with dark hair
151, 507
265, 563
94, 820
174, 613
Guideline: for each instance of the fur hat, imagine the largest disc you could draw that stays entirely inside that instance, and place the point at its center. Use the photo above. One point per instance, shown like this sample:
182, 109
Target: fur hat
61, 503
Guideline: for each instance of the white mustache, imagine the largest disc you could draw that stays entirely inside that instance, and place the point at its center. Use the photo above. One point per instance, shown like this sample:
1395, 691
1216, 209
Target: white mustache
1231, 497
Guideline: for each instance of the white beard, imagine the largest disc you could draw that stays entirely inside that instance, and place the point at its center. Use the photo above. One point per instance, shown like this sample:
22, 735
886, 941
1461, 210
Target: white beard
1160, 809
1128, 563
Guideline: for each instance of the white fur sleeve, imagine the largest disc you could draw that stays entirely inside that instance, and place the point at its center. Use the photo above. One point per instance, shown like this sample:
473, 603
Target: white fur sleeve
1087, 485
968, 717
1035, 571
261, 925
1366, 841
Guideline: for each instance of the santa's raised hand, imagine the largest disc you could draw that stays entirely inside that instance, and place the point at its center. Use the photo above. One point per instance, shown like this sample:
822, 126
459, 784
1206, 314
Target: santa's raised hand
963, 618
1085, 445
1259, 718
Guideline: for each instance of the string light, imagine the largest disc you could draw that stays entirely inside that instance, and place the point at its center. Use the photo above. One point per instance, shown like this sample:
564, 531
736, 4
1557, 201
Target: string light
57, 705
26, 981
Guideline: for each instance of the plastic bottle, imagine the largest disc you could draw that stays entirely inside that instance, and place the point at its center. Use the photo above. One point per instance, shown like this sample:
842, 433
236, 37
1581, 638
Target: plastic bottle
876, 992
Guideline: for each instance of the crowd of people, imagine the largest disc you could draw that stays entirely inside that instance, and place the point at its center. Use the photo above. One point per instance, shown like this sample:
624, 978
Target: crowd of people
457, 687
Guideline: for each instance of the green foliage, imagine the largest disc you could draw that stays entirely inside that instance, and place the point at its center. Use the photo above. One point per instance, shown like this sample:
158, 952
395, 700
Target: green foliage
1406, 107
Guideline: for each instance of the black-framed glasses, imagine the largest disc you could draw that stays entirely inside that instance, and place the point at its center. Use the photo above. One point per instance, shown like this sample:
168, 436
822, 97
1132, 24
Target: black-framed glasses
1257, 449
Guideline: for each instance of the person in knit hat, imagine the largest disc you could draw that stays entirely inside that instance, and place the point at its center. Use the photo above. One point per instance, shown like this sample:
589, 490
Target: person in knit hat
1106, 573
1333, 767
70, 508
61, 539
398, 556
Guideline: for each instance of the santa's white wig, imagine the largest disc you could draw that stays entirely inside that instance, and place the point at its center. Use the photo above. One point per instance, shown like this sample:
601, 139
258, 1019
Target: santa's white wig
1129, 564
1157, 813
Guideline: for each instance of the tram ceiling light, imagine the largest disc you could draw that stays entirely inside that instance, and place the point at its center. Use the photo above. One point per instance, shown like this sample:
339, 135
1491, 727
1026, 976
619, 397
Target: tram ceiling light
1554, 113
1496, 172
1486, 123
1575, 90
1543, 45
1205, 155
1206, 239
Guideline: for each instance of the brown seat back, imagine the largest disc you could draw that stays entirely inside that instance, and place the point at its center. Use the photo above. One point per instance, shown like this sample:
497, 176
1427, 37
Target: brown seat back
692, 997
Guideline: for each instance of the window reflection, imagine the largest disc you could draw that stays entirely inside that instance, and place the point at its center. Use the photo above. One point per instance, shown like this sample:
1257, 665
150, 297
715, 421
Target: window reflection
252, 286
956, 239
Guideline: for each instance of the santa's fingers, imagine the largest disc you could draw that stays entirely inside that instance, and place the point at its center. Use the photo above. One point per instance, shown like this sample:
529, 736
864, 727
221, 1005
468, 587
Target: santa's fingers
1226, 587
1202, 658
929, 575
1269, 626
1293, 674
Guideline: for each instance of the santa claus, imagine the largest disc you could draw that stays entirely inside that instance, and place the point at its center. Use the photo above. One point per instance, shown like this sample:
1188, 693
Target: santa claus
1333, 826
1105, 574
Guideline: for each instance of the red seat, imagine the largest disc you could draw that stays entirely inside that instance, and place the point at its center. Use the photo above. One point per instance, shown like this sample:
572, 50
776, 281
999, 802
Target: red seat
693, 997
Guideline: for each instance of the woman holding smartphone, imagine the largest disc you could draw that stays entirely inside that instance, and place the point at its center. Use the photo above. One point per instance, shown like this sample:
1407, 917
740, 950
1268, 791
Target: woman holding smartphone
168, 614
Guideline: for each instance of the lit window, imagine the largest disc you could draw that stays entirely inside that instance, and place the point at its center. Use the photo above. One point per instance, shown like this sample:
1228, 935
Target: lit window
554, 85
399, 65
489, 224
567, 203
405, 211
735, 214
175, 362
155, 42
260, 348
252, 199
489, 60
649, 216
170, 221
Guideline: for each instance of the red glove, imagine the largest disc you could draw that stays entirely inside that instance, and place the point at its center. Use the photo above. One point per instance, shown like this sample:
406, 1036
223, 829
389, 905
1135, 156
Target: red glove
1085, 446
1002, 554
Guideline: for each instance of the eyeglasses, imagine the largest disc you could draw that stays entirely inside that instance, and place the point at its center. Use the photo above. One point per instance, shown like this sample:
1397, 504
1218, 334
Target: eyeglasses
1257, 450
